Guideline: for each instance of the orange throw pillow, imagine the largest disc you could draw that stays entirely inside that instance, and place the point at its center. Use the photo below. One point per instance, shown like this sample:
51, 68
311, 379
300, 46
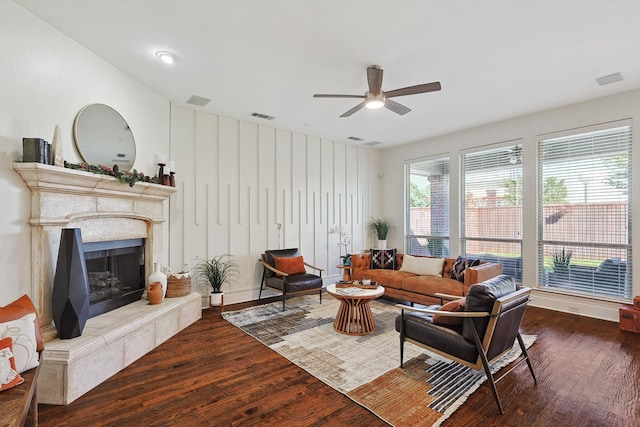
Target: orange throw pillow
290, 265
455, 305
19, 308
9, 376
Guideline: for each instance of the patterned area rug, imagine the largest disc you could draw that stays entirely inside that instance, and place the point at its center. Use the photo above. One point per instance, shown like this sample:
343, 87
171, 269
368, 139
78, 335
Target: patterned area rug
366, 368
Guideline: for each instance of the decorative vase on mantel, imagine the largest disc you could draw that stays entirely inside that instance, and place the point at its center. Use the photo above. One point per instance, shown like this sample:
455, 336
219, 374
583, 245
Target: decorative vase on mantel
158, 276
154, 294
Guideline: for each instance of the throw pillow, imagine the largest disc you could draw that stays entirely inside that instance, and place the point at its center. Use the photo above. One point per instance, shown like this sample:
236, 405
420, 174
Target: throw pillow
23, 333
19, 308
455, 305
422, 266
461, 265
9, 376
383, 259
290, 265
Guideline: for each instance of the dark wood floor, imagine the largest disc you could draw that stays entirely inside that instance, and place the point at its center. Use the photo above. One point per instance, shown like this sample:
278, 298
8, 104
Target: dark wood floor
213, 374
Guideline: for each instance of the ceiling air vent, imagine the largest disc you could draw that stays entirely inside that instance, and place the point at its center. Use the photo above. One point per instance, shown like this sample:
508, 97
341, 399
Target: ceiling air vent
373, 143
611, 78
198, 100
262, 116
355, 138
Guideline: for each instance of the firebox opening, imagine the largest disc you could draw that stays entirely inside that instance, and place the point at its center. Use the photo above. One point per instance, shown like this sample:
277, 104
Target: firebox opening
116, 273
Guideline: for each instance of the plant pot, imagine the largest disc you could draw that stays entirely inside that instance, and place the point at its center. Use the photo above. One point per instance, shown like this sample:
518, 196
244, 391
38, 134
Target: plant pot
382, 244
216, 298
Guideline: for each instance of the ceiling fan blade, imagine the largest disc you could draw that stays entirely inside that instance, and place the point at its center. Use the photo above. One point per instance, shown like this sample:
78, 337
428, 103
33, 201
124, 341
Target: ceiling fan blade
327, 95
374, 78
412, 90
354, 109
396, 108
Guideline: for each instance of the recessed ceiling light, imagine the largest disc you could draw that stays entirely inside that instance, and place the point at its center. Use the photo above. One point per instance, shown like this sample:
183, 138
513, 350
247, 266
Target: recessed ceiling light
166, 57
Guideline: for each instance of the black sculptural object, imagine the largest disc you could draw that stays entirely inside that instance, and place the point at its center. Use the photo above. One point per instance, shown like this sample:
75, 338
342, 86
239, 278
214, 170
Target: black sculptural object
70, 297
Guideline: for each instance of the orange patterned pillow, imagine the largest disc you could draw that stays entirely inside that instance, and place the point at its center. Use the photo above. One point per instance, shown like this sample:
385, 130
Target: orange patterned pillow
290, 265
9, 376
455, 305
19, 308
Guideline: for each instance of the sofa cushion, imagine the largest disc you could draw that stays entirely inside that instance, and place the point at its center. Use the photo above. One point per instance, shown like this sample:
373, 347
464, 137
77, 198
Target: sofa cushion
461, 265
383, 258
430, 285
454, 306
422, 266
23, 333
19, 308
387, 278
9, 376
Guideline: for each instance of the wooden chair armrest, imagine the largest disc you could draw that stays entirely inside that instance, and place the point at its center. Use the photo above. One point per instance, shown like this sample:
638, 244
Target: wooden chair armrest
268, 267
448, 297
313, 266
446, 313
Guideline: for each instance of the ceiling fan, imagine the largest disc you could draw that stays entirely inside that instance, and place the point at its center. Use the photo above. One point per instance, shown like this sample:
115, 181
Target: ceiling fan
376, 98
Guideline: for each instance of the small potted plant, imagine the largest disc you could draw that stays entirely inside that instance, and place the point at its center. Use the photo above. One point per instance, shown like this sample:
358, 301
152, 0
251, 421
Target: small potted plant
379, 227
215, 272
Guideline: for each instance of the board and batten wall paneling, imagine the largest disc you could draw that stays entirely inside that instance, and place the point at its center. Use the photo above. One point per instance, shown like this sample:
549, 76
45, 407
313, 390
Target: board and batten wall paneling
246, 187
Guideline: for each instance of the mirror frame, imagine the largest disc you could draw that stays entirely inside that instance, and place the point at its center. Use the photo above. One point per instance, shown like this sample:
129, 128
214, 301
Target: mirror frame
93, 138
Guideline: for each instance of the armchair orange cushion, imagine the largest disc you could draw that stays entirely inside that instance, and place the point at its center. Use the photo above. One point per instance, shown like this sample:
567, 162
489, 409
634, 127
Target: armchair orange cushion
9, 376
19, 308
290, 265
455, 305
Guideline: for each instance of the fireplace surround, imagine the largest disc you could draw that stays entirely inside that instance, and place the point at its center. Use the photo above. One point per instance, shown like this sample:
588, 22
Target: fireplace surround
105, 210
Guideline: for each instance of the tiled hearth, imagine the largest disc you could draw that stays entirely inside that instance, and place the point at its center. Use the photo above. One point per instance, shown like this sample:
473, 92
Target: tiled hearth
104, 209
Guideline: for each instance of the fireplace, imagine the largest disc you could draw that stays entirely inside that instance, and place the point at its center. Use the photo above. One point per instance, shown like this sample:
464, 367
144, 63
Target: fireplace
122, 231
116, 273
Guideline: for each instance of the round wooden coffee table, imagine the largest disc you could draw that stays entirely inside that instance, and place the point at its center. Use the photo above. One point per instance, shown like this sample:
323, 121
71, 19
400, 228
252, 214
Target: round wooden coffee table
354, 315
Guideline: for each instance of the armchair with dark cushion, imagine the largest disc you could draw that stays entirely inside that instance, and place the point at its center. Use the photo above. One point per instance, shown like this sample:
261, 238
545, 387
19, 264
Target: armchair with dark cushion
292, 277
488, 328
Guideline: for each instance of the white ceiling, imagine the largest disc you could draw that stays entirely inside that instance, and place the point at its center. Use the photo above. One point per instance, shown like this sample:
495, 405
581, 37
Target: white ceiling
495, 59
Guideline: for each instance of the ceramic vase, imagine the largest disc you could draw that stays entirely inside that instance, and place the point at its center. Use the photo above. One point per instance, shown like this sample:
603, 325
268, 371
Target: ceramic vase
158, 276
382, 244
154, 294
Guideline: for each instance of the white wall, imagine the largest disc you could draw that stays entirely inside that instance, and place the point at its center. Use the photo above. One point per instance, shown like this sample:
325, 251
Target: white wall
238, 180
45, 79
528, 128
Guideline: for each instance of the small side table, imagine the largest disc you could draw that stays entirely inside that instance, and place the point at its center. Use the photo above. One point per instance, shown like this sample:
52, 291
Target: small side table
346, 272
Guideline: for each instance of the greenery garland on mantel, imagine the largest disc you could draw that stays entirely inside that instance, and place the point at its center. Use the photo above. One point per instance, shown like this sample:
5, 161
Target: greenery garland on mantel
124, 177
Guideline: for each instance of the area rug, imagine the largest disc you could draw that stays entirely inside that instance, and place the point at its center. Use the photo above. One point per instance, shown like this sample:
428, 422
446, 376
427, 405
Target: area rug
366, 368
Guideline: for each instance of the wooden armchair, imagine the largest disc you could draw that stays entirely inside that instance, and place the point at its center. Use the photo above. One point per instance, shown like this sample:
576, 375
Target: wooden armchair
490, 325
284, 270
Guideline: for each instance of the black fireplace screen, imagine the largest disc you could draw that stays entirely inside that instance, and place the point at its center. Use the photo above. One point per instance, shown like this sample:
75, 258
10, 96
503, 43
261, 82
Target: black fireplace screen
116, 273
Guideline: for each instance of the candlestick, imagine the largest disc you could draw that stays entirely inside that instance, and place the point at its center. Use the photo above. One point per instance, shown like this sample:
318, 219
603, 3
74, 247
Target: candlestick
172, 179
161, 173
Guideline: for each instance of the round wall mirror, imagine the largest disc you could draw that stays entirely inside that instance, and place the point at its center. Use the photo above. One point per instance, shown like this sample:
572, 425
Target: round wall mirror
102, 137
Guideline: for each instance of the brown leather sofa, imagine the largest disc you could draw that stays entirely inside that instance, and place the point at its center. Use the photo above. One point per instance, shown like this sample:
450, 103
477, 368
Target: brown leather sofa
421, 289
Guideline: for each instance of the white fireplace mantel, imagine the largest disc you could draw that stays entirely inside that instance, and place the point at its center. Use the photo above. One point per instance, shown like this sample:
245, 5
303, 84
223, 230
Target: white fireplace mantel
104, 209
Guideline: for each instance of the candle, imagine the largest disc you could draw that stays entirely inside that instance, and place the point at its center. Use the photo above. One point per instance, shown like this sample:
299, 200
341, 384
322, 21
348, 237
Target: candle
159, 158
172, 166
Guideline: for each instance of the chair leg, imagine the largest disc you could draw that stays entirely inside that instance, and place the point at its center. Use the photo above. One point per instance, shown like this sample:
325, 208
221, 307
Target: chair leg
487, 370
321, 295
284, 297
402, 341
261, 285
526, 357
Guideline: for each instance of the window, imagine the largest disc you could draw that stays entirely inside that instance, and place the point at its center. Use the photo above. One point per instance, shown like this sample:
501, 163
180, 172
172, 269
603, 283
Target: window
584, 212
491, 207
427, 216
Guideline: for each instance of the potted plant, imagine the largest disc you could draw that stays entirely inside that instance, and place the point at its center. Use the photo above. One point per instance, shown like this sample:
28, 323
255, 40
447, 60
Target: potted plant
379, 227
216, 271
561, 261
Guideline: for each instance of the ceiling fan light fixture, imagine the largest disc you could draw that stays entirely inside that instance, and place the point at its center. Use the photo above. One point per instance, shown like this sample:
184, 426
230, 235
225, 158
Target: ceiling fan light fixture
374, 102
